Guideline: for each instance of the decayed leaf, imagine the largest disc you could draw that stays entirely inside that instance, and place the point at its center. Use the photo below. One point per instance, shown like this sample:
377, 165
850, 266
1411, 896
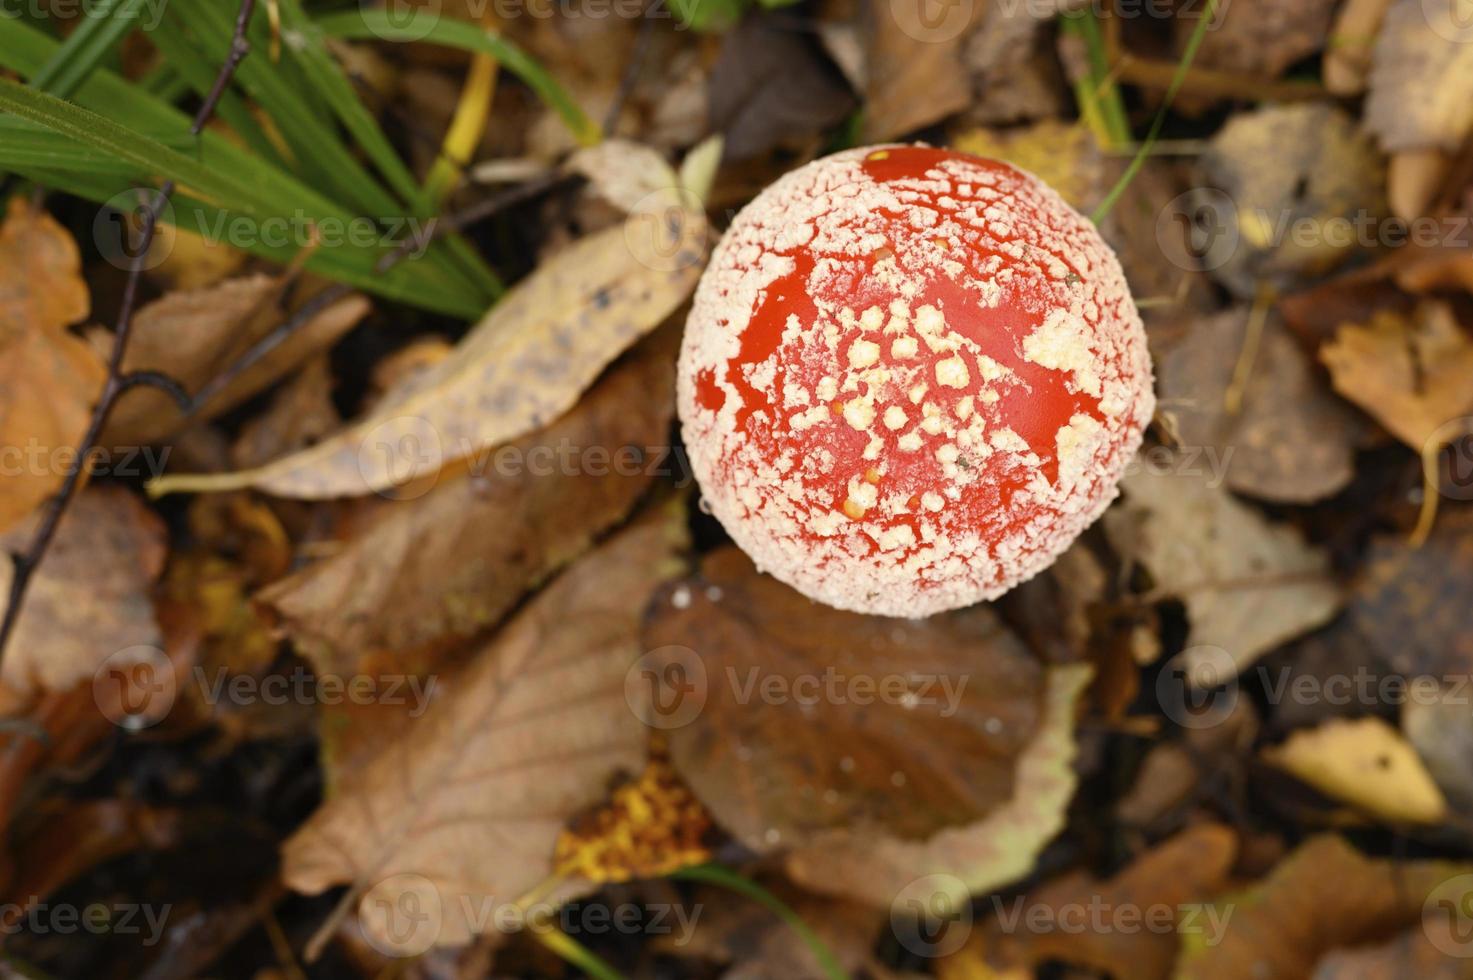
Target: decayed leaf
467, 806
437, 569
996, 850
1411, 373
1160, 890
48, 377
770, 86
1366, 763
1248, 585
1323, 897
523, 365
89, 599
193, 336
650, 827
1257, 37
624, 173
1410, 605
815, 719
1292, 441
1282, 187
1012, 63
1422, 79
913, 69
300, 414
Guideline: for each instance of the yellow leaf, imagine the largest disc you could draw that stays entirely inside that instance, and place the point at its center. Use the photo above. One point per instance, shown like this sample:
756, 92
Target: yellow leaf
1366, 763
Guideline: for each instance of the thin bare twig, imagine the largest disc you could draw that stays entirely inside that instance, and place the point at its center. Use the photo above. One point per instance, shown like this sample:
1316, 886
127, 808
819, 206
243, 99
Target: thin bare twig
25, 565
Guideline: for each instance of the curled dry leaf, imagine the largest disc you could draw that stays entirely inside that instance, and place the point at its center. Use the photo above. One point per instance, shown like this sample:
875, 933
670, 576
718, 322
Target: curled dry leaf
1422, 79
816, 719
996, 850
49, 378
1323, 897
1248, 585
434, 570
523, 365
90, 597
1292, 442
1366, 763
466, 807
194, 335
1161, 890
1412, 373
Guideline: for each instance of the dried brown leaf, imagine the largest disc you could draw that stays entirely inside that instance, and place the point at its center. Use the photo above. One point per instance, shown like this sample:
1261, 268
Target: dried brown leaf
1292, 442
1248, 585
1411, 373
195, 335
465, 808
90, 597
437, 569
49, 378
1323, 897
814, 719
1000, 848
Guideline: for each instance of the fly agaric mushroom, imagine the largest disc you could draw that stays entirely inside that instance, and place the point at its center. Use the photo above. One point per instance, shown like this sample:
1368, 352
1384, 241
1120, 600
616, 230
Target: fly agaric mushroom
910, 379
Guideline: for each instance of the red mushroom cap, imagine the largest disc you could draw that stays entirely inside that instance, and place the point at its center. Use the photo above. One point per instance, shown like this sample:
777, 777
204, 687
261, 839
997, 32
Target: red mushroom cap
910, 378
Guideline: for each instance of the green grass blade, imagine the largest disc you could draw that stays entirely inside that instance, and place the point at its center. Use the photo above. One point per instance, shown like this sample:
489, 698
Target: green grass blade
1139, 160
100, 30
429, 27
715, 874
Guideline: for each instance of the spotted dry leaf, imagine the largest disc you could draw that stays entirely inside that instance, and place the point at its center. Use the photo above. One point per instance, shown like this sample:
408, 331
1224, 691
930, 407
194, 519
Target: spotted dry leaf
1412, 373
1292, 441
814, 719
521, 367
90, 598
1248, 584
1323, 897
1421, 86
462, 812
1256, 37
48, 377
434, 570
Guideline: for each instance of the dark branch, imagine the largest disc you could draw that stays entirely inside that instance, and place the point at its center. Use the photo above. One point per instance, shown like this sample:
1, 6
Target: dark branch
25, 565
